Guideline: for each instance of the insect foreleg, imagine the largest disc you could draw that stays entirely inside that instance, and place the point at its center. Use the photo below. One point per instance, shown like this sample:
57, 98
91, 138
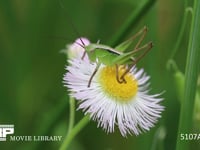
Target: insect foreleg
83, 56
93, 74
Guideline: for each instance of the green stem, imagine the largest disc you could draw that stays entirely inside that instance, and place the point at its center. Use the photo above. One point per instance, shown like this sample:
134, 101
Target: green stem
191, 74
72, 114
187, 10
135, 16
172, 66
80, 125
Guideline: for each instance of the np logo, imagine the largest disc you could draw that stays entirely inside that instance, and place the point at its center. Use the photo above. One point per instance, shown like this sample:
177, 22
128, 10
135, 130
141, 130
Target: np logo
5, 130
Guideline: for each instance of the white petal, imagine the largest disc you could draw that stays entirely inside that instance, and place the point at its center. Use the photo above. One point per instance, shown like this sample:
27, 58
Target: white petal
132, 117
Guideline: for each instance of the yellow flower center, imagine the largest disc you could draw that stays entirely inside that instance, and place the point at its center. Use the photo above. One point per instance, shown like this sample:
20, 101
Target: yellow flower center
120, 91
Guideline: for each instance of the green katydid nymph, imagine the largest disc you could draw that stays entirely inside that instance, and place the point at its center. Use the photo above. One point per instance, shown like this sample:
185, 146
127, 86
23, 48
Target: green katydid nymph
117, 56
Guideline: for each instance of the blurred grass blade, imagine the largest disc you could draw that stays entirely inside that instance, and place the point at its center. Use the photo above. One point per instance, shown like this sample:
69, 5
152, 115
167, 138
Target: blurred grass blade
135, 16
192, 67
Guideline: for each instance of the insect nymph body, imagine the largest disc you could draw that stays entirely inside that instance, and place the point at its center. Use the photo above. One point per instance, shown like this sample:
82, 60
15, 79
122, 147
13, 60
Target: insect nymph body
117, 56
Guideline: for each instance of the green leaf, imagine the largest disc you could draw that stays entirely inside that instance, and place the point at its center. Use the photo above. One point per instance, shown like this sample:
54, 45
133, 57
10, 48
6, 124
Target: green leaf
191, 74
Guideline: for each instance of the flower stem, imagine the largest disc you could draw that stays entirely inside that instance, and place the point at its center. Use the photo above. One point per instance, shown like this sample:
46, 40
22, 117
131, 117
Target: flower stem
74, 131
191, 74
72, 113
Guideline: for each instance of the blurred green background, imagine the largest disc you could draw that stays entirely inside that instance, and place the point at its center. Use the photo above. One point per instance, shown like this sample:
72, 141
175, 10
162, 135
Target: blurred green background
32, 96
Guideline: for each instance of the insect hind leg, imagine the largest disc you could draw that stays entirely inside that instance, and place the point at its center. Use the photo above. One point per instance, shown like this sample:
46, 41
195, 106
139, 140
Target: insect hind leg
118, 78
147, 48
143, 33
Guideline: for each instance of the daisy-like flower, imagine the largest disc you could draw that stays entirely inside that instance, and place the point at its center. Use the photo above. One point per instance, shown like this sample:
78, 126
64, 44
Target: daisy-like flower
110, 103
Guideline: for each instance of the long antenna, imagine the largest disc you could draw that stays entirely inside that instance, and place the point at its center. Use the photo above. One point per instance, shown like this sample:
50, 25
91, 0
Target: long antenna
71, 22
64, 38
